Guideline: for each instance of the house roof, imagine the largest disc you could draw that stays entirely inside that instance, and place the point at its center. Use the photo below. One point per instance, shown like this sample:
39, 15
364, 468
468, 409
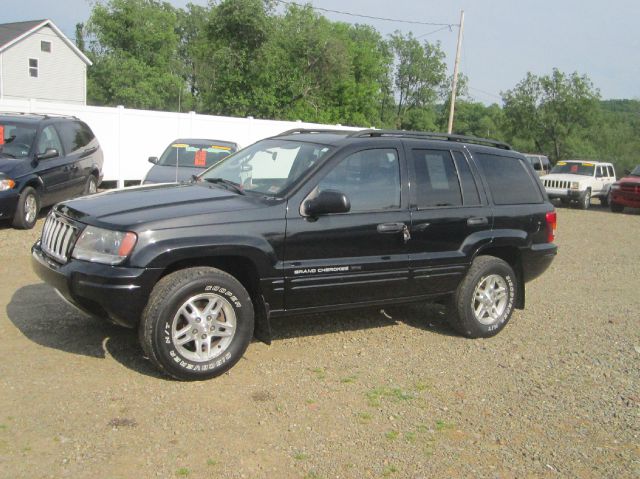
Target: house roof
12, 33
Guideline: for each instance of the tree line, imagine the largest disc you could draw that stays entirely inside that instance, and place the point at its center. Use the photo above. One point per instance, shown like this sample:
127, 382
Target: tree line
246, 58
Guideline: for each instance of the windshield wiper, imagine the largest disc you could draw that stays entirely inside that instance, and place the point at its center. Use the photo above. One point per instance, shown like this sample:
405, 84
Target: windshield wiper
4, 153
227, 183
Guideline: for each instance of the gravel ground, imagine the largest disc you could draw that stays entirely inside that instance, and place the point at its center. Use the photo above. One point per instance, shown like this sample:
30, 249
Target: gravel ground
348, 395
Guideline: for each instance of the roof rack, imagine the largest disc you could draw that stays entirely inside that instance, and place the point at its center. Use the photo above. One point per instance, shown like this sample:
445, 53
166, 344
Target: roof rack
44, 115
313, 130
429, 135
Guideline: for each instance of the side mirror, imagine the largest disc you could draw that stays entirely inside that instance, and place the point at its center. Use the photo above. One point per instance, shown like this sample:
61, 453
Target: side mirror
627, 172
48, 153
153, 159
327, 202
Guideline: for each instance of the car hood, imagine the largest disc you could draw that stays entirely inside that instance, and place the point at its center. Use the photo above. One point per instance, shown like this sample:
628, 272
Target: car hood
167, 174
160, 206
565, 177
14, 168
629, 179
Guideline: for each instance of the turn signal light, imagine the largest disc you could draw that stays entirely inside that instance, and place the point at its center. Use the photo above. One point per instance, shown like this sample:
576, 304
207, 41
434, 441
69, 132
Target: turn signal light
552, 224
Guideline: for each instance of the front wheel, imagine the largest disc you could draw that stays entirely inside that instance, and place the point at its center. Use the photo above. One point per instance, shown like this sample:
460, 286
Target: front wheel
615, 207
197, 324
483, 303
28, 208
585, 202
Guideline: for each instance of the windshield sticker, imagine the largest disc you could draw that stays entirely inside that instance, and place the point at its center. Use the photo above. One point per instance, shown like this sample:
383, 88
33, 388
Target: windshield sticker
587, 164
200, 159
562, 163
179, 145
225, 148
1, 135
574, 168
192, 149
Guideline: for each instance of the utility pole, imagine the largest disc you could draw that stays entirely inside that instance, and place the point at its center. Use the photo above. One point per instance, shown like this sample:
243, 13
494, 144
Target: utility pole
454, 85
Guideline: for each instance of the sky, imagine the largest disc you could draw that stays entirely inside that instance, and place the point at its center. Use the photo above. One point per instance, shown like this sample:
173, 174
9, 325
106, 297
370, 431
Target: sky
503, 39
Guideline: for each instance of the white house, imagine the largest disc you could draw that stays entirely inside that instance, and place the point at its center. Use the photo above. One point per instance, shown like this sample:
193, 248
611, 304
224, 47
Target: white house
38, 61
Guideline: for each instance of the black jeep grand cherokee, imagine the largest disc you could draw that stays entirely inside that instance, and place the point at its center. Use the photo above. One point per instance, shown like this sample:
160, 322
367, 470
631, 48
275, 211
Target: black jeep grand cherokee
309, 220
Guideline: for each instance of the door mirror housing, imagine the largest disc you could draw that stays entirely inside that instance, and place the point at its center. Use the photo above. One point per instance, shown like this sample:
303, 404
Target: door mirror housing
153, 159
327, 202
48, 153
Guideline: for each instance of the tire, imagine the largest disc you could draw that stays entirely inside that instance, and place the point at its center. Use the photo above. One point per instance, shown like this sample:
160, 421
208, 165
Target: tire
487, 274
606, 199
565, 201
172, 316
616, 208
585, 201
90, 186
27, 210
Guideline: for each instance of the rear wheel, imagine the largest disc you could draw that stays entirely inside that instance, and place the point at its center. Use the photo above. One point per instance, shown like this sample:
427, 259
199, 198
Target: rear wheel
197, 324
91, 186
27, 210
484, 300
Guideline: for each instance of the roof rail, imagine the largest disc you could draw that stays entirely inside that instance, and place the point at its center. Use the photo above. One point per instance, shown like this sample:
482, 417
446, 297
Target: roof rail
45, 115
429, 135
312, 130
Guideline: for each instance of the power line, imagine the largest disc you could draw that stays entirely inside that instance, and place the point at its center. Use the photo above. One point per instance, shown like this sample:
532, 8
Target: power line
435, 31
370, 17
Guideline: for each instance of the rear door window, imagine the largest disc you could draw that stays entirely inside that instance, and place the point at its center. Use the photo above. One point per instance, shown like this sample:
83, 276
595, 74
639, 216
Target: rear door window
437, 182
470, 196
509, 180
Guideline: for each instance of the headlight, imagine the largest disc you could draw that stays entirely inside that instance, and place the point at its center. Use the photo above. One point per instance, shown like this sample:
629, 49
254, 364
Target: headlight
575, 185
104, 246
615, 186
6, 183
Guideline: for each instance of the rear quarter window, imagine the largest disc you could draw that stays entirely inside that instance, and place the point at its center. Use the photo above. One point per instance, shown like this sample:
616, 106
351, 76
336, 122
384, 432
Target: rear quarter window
509, 179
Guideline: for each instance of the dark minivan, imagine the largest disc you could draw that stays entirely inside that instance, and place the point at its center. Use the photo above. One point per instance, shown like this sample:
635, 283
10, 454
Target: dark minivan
186, 157
44, 159
306, 221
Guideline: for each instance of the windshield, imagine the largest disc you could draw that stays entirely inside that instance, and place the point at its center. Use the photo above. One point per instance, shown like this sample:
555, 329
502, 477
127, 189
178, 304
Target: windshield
636, 171
195, 154
16, 139
269, 166
574, 168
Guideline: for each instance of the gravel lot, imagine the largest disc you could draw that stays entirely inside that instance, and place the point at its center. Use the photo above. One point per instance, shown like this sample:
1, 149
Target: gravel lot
349, 395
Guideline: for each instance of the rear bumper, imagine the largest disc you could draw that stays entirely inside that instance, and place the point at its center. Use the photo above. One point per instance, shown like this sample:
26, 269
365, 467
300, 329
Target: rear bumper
8, 204
537, 259
119, 294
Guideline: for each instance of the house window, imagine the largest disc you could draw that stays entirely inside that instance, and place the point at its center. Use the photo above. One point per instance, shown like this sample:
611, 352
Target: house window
45, 46
33, 67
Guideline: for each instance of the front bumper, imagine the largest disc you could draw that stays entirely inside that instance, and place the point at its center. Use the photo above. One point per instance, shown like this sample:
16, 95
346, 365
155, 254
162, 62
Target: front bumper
564, 193
8, 203
624, 198
536, 259
115, 293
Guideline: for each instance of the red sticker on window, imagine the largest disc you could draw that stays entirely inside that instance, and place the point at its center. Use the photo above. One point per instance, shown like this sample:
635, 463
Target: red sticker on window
200, 159
1, 135
574, 168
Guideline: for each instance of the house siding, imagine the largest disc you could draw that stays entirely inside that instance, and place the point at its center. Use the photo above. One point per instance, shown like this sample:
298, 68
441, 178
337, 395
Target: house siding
61, 73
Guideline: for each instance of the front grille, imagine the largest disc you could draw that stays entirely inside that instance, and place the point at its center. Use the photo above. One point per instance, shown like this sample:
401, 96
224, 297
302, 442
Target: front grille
556, 184
630, 188
58, 237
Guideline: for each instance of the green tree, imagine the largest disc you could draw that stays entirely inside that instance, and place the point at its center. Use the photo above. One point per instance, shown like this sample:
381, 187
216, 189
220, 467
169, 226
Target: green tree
419, 77
551, 113
133, 45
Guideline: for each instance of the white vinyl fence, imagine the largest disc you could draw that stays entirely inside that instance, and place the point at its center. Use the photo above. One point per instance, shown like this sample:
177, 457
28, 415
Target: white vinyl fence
129, 137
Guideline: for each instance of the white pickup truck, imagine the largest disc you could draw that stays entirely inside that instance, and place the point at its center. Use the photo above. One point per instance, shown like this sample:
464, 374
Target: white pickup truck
579, 181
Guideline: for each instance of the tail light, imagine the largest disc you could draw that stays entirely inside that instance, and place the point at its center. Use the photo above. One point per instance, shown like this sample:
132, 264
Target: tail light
552, 224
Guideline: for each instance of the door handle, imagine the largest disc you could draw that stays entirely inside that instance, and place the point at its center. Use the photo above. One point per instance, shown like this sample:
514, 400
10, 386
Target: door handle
391, 227
478, 221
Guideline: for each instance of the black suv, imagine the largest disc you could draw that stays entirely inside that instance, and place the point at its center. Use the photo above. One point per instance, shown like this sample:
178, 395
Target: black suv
306, 221
44, 159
